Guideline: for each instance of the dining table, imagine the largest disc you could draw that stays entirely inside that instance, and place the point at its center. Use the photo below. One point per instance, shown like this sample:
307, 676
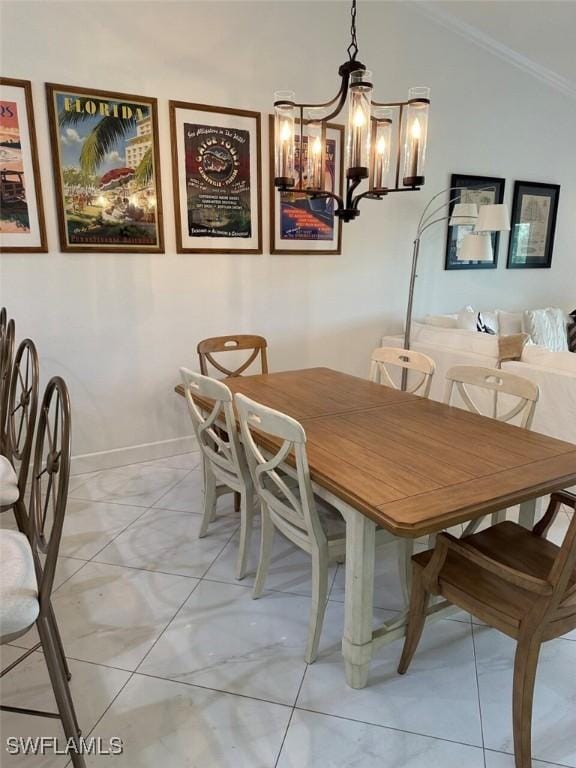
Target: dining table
413, 466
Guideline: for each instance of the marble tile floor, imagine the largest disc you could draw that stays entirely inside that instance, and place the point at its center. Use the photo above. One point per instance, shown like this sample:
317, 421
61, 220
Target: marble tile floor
170, 653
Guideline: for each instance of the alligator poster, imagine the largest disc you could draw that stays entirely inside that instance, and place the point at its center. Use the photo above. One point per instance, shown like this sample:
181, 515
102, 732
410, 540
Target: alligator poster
216, 176
21, 220
105, 154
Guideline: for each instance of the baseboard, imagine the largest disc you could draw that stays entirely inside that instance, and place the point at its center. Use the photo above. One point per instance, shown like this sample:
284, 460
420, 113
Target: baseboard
132, 454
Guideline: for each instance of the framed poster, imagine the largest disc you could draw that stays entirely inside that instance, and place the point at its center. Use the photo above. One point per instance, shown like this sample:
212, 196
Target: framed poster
534, 212
466, 194
299, 224
217, 178
106, 170
22, 227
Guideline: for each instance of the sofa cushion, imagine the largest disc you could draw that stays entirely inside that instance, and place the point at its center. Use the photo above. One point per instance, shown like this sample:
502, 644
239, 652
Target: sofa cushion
547, 328
441, 321
510, 322
19, 605
541, 357
457, 339
467, 319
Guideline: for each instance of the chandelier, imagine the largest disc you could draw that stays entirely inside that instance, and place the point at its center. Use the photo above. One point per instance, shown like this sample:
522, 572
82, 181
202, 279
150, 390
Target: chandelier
385, 142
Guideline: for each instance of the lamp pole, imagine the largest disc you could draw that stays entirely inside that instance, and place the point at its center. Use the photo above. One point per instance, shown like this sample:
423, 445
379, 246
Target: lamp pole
427, 220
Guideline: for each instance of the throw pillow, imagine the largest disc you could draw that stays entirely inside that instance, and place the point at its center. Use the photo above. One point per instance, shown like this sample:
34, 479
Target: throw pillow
509, 322
572, 332
547, 328
486, 322
467, 319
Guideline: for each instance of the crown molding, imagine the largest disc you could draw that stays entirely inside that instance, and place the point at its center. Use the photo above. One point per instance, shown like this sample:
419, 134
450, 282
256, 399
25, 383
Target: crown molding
481, 39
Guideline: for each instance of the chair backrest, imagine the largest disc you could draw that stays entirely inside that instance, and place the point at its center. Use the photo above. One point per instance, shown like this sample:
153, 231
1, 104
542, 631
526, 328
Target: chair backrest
215, 430
50, 478
385, 358
256, 344
294, 513
6, 357
463, 378
22, 410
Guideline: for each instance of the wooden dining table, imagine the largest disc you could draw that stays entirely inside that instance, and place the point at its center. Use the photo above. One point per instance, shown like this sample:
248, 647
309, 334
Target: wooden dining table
412, 466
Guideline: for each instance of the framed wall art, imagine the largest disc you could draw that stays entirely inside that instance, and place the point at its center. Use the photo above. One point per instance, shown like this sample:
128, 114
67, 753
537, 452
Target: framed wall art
22, 227
299, 224
470, 190
106, 170
534, 212
217, 178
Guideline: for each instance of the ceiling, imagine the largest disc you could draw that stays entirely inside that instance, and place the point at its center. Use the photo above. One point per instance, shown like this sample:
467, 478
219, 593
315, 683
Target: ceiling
542, 32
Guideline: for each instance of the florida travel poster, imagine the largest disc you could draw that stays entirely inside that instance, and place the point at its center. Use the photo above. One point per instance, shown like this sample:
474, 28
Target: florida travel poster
14, 214
302, 218
218, 181
106, 168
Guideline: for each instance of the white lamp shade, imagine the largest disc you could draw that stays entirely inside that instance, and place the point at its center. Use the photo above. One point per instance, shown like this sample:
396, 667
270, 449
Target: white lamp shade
464, 213
493, 218
476, 248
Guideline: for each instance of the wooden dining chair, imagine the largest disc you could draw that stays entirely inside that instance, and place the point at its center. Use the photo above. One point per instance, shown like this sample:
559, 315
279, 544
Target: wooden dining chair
224, 463
512, 579
257, 345
28, 562
507, 398
21, 420
386, 358
289, 506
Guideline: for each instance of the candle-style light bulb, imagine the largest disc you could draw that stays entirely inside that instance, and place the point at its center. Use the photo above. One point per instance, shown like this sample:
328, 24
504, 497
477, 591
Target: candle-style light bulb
317, 146
416, 129
285, 131
415, 146
359, 118
381, 146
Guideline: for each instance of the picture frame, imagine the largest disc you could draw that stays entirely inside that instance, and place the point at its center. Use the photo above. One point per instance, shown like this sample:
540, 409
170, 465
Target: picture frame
22, 222
299, 225
106, 165
217, 178
533, 225
455, 233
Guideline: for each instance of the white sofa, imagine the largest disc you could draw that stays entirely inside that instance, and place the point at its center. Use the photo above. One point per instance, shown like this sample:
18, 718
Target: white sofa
554, 372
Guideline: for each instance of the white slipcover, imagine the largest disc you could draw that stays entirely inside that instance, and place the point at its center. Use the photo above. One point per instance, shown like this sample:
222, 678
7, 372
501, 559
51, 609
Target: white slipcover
19, 607
8, 483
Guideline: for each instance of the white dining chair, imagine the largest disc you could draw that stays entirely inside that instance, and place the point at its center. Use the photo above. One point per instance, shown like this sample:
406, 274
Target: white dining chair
290, 506
385, 359
224, 464
498, 394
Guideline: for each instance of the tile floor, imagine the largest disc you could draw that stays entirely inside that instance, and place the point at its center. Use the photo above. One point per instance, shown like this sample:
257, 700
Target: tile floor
169, 652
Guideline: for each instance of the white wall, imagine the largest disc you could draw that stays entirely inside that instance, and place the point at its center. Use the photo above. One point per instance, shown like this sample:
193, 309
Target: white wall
118, 326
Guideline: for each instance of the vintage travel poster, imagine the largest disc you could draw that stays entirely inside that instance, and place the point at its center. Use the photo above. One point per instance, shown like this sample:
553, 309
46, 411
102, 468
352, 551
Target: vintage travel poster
216, 174
105, 148
302, 218
218, 181
299, 224
21, 219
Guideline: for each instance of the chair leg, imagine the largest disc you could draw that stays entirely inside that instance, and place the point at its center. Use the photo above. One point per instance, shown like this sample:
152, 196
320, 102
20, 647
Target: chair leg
62, 659
525, 665
210, 497
405, 552
60, 688
246, 521
266, 542
416, 618
318, 605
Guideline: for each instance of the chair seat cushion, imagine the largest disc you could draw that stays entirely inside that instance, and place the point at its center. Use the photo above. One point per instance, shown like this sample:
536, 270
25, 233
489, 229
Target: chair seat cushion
19, 605
510, 544
8, 483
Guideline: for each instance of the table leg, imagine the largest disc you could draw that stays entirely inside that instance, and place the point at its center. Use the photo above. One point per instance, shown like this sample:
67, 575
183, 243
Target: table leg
528, 511
358, 609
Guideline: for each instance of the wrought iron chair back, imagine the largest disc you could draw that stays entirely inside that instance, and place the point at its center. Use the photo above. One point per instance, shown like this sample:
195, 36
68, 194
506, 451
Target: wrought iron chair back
420, 364
219, 344
22, 410
463, 377
6, 357
50, 478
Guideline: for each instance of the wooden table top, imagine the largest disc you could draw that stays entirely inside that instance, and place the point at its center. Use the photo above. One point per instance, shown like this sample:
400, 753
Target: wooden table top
412, 465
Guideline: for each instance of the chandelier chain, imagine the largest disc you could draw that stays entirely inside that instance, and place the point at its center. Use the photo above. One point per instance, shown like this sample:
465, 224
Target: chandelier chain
353, 47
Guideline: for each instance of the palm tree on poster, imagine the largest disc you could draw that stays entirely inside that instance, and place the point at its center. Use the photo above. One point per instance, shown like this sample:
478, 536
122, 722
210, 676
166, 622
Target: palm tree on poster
103, 138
